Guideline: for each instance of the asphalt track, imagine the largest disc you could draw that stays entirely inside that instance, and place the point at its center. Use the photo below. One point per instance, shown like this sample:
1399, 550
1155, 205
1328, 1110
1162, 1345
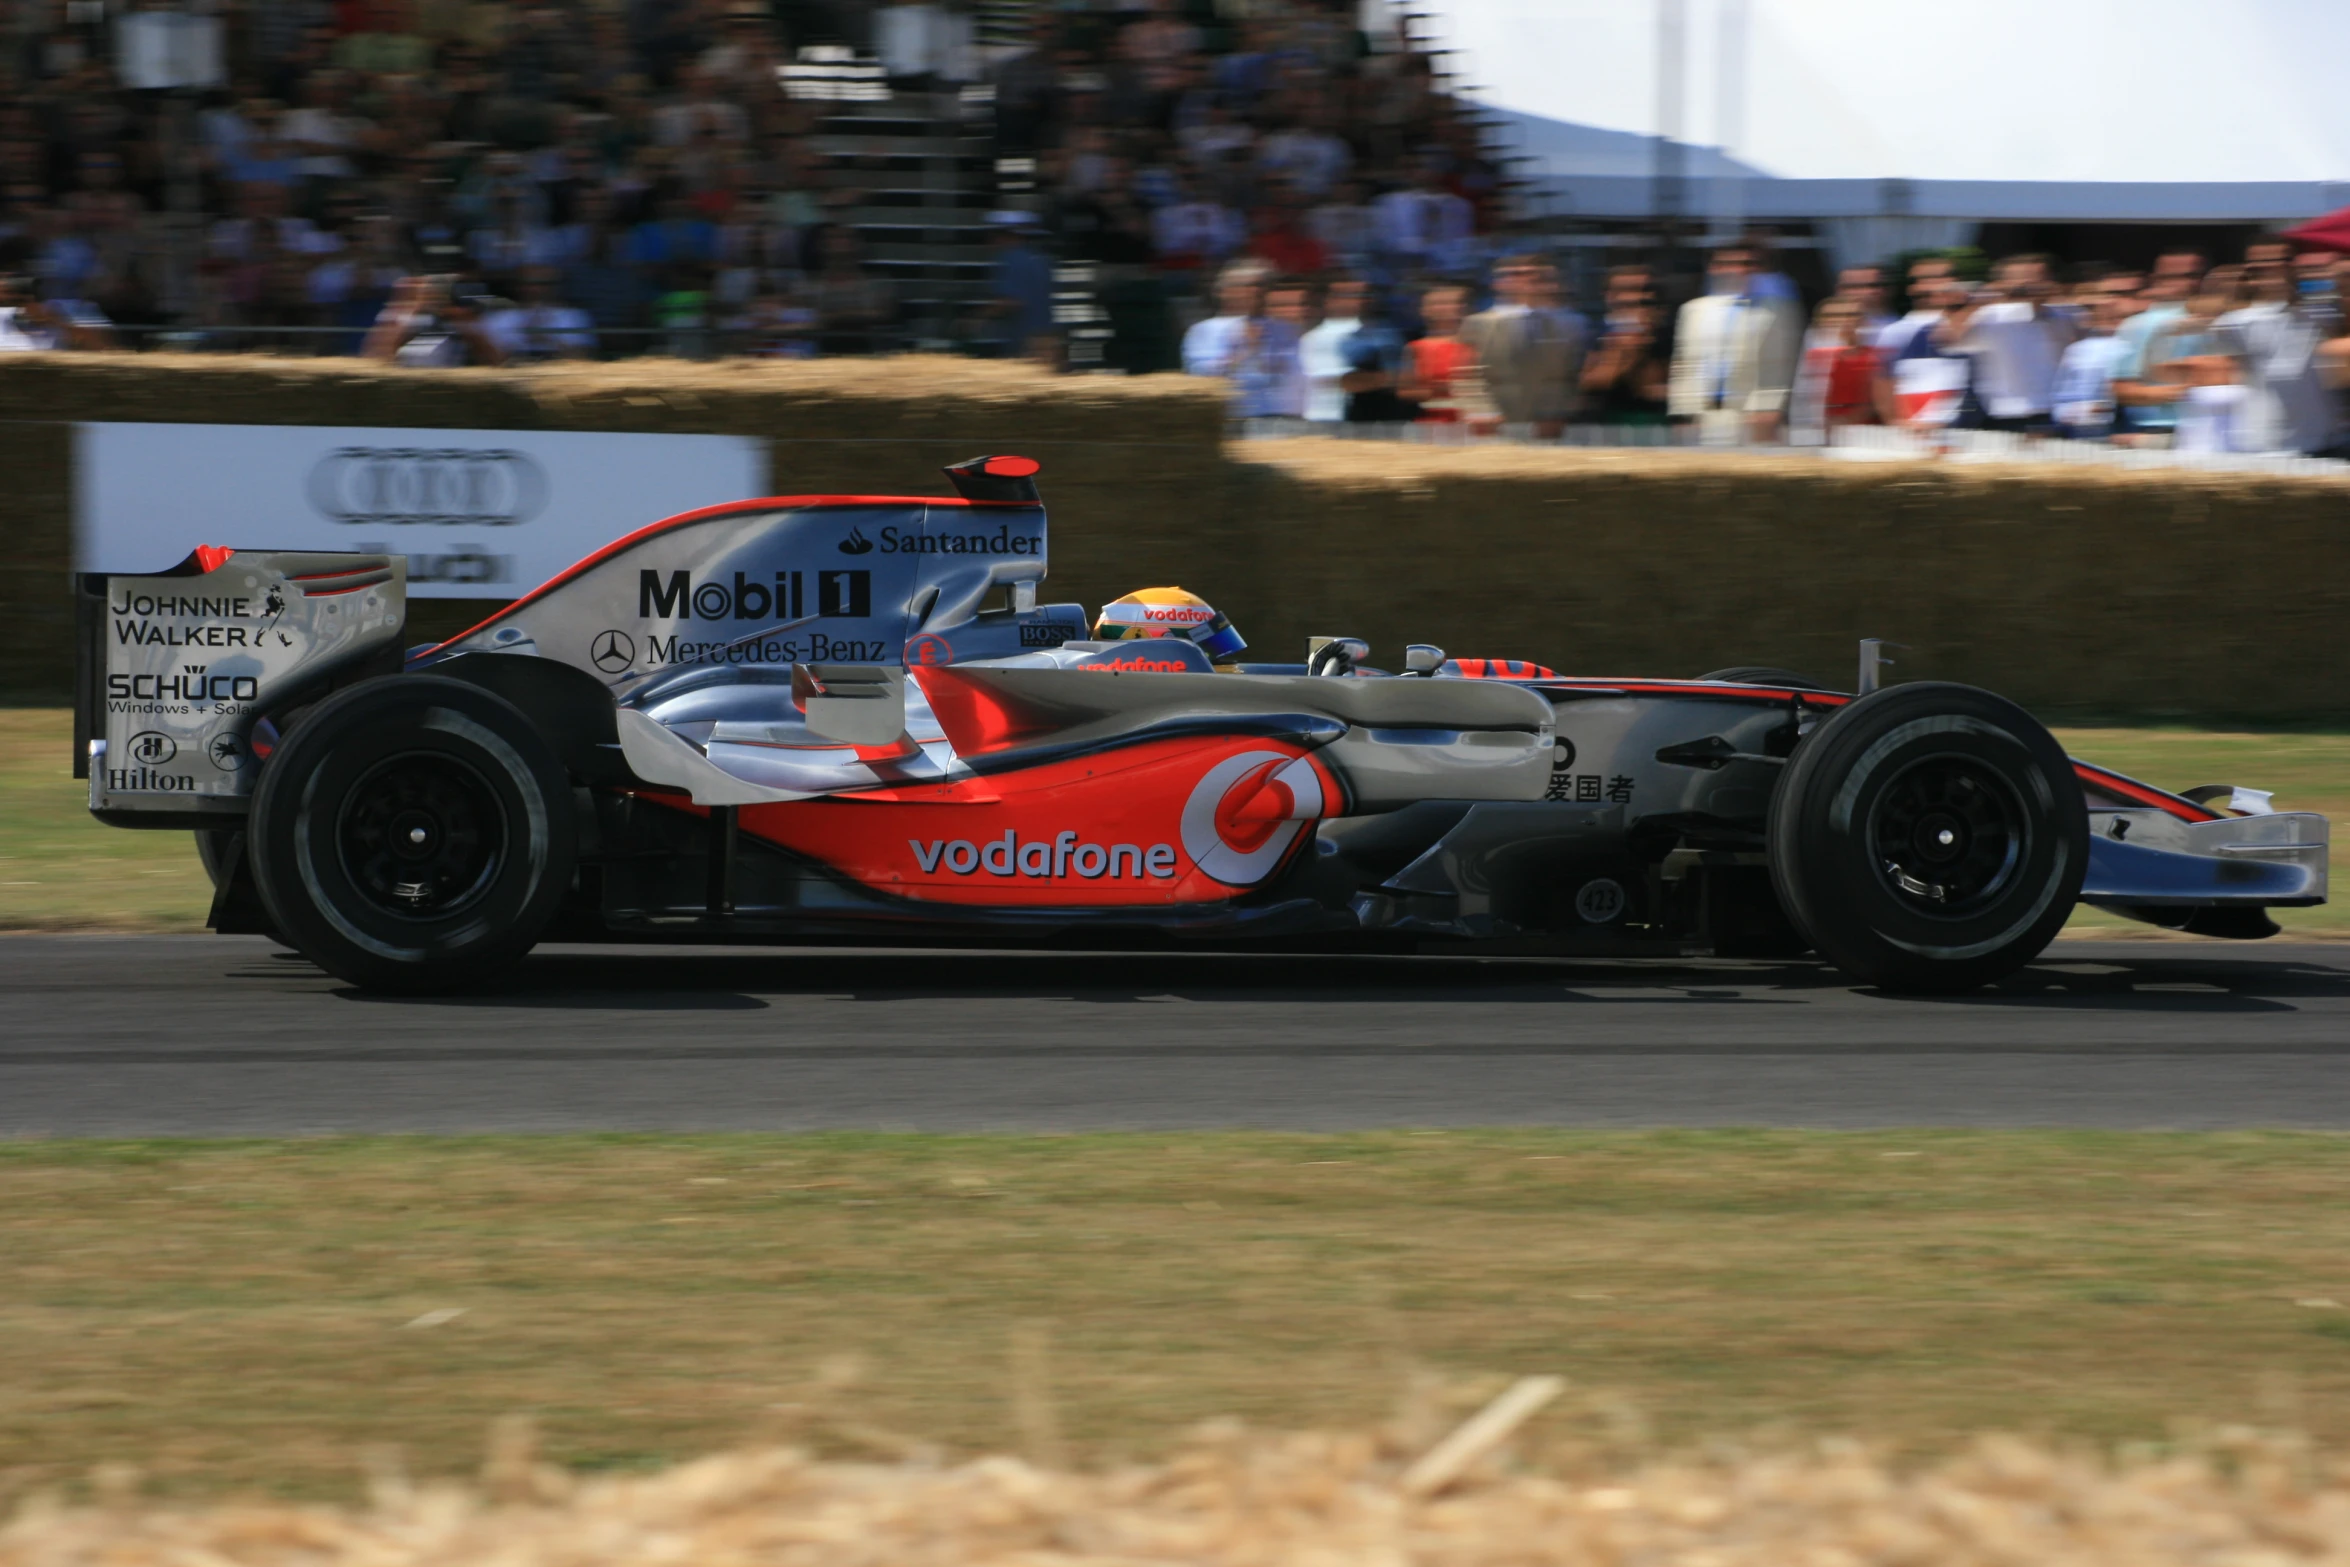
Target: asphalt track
201, 1035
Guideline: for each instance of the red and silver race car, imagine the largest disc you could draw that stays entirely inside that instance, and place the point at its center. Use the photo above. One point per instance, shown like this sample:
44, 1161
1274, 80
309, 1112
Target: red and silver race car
847, 719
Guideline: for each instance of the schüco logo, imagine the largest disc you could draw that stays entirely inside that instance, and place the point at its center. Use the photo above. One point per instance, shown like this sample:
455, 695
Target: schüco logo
400, 486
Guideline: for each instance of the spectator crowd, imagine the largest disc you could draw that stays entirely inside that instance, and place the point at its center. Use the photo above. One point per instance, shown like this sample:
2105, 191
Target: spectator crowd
468, 181
2250, 356
1261, 190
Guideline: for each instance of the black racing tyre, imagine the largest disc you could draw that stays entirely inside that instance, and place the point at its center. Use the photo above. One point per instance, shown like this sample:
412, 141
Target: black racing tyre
1929, 837
1764, 675
413, 833
213, 846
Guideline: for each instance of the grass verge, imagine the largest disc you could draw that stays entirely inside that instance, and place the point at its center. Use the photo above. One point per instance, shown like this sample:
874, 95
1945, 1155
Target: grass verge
258, 1314
59, 870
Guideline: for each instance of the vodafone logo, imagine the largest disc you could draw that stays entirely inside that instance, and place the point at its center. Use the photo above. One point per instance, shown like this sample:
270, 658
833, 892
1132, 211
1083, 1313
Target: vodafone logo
1138, 665
1246, 811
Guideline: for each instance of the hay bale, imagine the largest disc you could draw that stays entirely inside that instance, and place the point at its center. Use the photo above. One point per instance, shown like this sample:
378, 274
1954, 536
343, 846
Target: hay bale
2082, 592
2075, 590
1230, 1499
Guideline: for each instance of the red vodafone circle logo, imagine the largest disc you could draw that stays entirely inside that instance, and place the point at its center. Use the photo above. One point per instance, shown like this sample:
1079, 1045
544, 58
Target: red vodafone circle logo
929, 651
1246, 811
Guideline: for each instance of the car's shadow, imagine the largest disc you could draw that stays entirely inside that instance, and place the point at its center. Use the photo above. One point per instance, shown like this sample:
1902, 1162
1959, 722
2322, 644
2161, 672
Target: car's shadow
2145, 977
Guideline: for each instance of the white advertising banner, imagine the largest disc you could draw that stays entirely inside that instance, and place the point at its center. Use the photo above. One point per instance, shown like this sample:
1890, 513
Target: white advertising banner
478, 513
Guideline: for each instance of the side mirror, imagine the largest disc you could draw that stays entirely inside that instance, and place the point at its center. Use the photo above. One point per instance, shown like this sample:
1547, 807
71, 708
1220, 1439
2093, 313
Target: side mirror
1422, 659
1335, 655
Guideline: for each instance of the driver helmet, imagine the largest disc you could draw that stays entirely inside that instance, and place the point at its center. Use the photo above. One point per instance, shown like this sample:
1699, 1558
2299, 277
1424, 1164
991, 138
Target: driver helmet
1169, 612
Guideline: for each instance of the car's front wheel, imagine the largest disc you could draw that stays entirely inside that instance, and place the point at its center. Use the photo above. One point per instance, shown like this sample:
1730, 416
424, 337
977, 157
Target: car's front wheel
1929, 837
413, 833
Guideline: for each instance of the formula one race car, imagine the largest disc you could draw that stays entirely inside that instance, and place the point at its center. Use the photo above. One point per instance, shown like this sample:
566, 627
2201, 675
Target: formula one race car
846, 719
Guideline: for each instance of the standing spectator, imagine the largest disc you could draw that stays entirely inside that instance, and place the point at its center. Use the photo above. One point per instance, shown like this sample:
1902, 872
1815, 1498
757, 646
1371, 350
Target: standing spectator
1625, 378
2334, 359
1377, 360
1306, 153
1530, 359
1864, 285
1020, 286
1347, 226
1438, 361
540, 326
1322, 352
2275, 339
2084, 378
2016, 341
1929, 387
1282, 240
1841, 382
434, 323
1258, 356
853, 307
2313, 273
1426, 226
2145, 407
1734, 355
1195, 231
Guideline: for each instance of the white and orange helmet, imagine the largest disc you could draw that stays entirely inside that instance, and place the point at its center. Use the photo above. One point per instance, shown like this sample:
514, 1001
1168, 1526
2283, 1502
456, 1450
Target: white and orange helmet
1169, 612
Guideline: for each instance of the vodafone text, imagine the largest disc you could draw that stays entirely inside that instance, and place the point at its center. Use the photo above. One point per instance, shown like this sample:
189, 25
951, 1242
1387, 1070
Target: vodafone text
1043, 858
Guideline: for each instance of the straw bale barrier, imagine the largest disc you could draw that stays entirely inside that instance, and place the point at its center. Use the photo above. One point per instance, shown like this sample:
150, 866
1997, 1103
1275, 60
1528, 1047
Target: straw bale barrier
2081, 592
1230, 1499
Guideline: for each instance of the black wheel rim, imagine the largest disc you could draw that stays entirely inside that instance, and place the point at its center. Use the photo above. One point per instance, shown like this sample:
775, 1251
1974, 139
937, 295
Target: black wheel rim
422, 836
1949, 835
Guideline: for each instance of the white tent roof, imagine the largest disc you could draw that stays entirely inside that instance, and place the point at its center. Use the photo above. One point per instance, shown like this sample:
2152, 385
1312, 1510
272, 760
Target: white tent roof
2028, 104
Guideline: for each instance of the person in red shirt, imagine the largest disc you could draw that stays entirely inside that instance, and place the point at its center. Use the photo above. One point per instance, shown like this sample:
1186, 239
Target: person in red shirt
1278, 235
1435, 361
1846, 363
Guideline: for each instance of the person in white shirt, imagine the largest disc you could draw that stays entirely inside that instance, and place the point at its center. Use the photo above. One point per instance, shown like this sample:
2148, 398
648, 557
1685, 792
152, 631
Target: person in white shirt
1734, 356
2084, 378
539, 325
2016, 342
1322, 351
2287, 405
1240, 343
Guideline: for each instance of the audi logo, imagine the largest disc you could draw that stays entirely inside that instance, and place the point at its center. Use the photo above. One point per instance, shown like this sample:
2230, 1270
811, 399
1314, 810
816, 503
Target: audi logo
439, 486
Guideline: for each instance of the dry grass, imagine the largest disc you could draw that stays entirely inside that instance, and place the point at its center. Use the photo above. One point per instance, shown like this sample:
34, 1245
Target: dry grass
259, 1315
1230, 1498
59, 870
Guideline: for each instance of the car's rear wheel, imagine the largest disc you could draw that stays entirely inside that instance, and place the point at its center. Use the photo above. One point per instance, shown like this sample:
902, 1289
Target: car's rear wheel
413, 833
1763, 675
1929, 837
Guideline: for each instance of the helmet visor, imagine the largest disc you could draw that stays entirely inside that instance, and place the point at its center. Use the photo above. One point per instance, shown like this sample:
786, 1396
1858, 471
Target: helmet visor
1216, 637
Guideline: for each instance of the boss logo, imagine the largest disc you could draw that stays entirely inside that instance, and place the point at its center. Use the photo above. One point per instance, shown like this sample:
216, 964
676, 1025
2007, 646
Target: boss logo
404, 486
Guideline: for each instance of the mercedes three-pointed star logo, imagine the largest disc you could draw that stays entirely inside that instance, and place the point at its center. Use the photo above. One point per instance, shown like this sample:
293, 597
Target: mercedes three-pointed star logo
612, 651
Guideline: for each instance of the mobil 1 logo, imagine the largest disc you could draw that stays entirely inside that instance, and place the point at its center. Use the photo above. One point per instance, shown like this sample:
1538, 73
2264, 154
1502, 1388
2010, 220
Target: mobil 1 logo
675, 595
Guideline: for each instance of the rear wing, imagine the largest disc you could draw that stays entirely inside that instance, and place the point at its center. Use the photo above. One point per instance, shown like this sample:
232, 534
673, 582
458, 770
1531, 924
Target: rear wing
178, 675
